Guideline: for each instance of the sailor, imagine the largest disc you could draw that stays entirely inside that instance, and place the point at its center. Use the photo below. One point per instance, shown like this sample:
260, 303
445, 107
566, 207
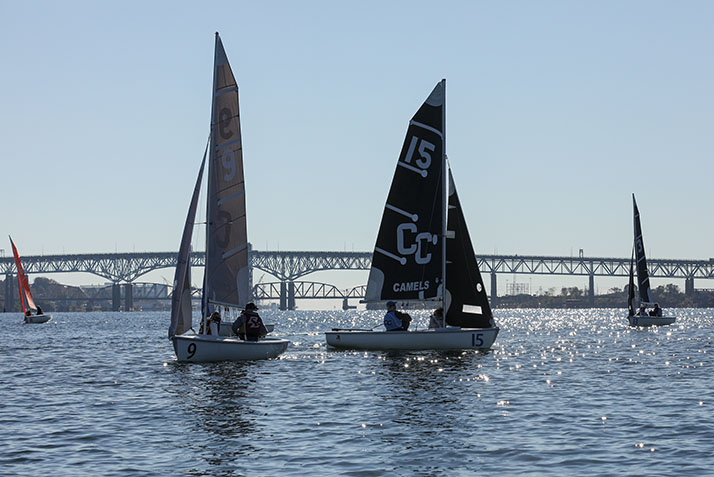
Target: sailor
436, 320
214, 323
391, 320
643, 311
656, 311
249, 326
39, 310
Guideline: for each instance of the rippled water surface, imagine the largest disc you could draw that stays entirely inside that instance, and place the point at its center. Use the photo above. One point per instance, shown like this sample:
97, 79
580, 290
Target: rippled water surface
564, 392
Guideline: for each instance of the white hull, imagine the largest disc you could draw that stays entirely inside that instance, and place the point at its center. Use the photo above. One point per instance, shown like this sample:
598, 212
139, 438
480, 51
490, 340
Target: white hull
206, 349
650, 320
38, 318
443, 338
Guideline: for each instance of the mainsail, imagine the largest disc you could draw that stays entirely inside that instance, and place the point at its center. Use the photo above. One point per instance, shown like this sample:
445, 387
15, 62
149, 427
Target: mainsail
643, 279
22, 282
408, 258
466, 300
181, 296
227, 272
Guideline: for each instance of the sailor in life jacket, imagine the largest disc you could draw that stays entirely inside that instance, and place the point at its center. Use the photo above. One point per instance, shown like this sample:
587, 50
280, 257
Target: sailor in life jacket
249, 326
391, 320
211, 324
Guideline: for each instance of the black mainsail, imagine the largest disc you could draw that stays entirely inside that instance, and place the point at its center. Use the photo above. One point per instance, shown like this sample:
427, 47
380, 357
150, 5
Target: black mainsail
408, 256
466, 300
643, 279
181, 320
227, 270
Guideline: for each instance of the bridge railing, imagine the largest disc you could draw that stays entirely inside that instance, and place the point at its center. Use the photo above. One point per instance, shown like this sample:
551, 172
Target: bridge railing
289, 266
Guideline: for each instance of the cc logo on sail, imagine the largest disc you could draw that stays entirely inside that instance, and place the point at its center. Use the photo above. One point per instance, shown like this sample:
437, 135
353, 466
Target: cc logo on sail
409, 242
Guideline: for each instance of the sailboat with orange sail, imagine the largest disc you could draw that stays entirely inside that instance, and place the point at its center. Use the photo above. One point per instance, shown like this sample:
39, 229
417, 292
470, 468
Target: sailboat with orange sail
26, 300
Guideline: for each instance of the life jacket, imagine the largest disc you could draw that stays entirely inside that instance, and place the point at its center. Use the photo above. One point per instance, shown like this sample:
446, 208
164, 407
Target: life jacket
392, 322
253, 323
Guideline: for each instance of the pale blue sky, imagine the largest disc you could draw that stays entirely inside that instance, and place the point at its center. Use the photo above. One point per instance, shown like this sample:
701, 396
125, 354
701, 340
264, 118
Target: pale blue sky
556, 112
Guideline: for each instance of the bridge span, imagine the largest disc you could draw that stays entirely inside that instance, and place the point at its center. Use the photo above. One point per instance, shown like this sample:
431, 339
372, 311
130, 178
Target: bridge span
289, 266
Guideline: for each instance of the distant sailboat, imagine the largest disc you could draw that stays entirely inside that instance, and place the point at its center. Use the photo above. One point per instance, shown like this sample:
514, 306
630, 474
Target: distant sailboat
26, 300
423, 250
643, 282
226, 277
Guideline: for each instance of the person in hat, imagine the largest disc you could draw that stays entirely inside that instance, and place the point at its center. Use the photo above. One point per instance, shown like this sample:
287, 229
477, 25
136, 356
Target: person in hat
249, 326
656, 311
213, 323
392, 322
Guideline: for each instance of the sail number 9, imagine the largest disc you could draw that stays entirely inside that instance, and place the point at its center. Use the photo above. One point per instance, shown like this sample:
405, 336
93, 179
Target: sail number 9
228, 160
191, 350
477, 339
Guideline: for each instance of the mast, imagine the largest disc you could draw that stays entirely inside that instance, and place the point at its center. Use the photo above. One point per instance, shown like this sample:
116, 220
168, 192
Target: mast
445, 206
205, 308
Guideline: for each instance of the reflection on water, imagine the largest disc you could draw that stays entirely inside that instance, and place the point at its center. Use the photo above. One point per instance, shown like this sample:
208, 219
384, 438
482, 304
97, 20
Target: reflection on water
216, 399
564, 392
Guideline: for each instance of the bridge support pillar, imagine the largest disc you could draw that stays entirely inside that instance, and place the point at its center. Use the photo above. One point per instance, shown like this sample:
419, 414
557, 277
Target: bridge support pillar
291, 295
9, 304
128, 297
494, 289
283, 296
116, 297
591, 289
689, 286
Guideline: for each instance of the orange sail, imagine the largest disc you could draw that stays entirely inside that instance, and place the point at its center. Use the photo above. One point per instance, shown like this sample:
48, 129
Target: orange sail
22, 281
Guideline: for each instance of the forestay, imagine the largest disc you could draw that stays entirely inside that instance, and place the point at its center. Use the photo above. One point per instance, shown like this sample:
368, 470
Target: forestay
226, 280
407, 260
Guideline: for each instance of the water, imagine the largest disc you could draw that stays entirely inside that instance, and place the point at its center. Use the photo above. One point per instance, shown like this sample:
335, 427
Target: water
564, 392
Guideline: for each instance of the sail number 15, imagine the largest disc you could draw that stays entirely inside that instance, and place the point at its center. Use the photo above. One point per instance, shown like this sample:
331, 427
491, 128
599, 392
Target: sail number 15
425, 150
477, 339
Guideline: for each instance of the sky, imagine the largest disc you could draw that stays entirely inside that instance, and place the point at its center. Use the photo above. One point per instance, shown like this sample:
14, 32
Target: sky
557, 112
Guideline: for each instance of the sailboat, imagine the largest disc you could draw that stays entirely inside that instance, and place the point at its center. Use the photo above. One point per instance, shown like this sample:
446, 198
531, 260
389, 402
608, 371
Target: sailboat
643, 281
226, 276
423, 251
26, 300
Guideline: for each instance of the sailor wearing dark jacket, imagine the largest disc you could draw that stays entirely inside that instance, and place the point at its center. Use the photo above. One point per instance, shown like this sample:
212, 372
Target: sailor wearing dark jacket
249, 326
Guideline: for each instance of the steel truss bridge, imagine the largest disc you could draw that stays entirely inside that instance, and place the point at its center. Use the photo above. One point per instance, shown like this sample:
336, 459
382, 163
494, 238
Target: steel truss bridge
288, 267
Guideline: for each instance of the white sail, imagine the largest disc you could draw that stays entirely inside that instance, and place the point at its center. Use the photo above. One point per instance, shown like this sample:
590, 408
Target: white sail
181, 298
